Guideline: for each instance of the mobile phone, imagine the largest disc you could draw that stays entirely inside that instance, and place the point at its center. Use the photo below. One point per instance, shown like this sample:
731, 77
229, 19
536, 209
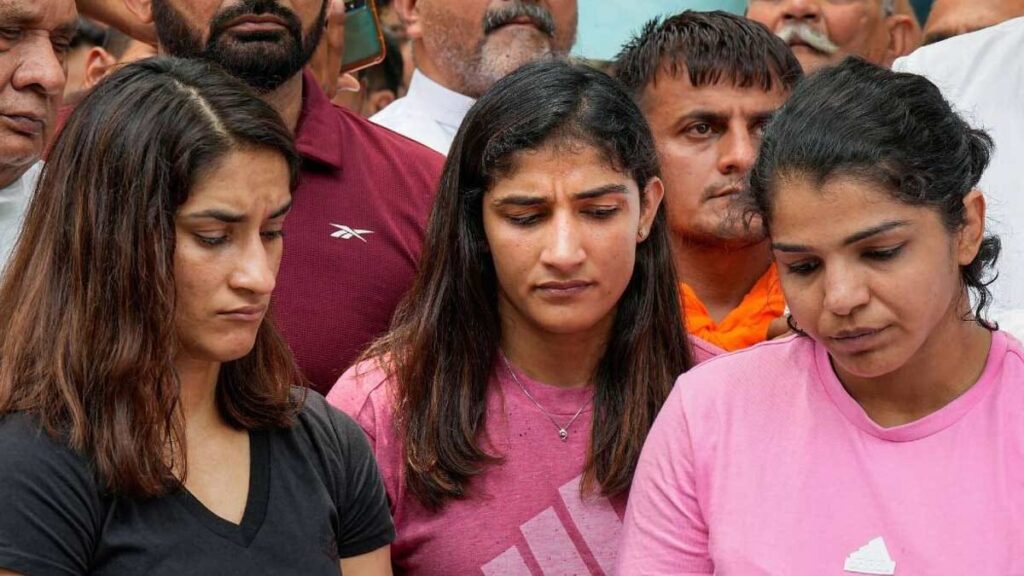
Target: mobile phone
364, 38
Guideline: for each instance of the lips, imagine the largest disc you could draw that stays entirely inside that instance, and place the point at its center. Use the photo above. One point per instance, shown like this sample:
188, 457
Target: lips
244, 313
564, 289
856, 340
257, 23
26, 123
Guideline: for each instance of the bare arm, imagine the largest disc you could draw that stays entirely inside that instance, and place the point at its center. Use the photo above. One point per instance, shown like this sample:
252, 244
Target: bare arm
376, 563
115, 13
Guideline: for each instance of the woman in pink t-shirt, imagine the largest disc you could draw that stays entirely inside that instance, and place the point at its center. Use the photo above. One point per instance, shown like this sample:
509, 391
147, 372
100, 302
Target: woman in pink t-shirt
509, 403
887, 437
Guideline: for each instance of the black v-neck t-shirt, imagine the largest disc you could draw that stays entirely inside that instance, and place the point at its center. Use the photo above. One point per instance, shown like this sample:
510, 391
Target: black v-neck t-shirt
315, 496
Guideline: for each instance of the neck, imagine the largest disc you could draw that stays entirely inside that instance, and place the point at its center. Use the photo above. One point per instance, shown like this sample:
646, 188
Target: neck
287, 100
542, 355
198, 393
721, 277
428, 68
949, 362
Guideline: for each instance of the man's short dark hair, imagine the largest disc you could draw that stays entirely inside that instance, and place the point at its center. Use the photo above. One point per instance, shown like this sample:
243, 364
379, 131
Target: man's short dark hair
712, 47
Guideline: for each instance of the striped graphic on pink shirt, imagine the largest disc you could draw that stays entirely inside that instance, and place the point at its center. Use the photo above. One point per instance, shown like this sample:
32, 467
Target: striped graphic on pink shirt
581, 539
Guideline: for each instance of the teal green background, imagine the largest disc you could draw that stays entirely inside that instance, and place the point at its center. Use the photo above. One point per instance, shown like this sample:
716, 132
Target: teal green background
605, 25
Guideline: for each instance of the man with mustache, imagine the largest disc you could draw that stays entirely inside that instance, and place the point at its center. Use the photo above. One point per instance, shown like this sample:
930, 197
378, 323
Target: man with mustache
358, 216
34, 45
461, 48
708, 82
823, 32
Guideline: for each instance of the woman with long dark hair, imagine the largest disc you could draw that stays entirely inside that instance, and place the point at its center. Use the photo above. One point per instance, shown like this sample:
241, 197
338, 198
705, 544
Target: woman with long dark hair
887, 437
148, 420
508, 403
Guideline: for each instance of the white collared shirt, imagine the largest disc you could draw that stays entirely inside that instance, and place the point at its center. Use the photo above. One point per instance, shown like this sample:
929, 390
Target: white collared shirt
14, 200
982, 75
429, 113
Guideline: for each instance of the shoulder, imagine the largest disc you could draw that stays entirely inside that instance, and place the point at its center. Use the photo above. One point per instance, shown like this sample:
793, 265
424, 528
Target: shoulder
985, 52
51, 507
28, 452
366, 393
737, 380
1014, 357
703, 350
323, 423
377, 141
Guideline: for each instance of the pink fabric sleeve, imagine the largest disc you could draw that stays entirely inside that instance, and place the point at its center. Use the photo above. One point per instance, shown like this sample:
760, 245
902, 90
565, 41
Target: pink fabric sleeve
664, 531
703, 350
352, 394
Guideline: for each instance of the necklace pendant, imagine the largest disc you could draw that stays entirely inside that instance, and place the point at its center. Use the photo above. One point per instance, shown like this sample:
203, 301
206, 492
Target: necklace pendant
563, 434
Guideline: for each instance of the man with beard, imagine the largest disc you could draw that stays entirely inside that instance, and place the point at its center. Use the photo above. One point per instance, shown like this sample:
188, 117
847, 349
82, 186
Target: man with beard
461, 48
708, 82
34, 44
358, 216
823, 32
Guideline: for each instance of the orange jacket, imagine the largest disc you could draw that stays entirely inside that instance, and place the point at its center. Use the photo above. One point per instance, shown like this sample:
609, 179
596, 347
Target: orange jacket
747, 324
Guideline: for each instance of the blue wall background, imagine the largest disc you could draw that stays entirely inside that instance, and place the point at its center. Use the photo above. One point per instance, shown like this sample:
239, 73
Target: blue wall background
606, 24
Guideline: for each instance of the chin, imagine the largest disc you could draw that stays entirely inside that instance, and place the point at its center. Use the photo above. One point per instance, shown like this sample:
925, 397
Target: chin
868, 365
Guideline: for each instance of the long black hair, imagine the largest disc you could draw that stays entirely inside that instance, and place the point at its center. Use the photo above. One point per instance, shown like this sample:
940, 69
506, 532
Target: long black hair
857, 119
445, 337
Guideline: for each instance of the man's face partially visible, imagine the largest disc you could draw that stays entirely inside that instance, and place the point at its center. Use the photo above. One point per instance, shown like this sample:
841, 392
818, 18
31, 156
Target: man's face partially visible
34, 43
708, 138
823, 32
478, 42
263, 42
949, 18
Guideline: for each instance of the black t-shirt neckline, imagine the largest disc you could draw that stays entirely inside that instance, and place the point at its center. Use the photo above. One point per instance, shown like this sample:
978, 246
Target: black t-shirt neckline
256, 502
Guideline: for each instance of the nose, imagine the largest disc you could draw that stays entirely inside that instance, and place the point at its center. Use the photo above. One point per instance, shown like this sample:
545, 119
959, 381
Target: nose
845, 290
563, 249
40, 68
737, 151
801, 11
255, 269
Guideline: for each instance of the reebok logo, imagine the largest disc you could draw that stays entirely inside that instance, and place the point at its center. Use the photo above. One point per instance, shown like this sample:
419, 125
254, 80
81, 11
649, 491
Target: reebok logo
347, 233
872, 558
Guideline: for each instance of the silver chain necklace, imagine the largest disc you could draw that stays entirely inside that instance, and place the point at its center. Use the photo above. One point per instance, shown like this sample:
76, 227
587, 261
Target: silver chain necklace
563, 431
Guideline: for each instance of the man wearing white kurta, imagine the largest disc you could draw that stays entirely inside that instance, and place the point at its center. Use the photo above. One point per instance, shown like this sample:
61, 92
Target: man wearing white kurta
32, 77
982, 75
461, 48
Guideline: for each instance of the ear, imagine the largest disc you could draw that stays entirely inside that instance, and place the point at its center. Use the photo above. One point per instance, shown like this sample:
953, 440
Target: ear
901, 37
98, 63
142, 9
653, 193
378, 101
408, 11
973, 230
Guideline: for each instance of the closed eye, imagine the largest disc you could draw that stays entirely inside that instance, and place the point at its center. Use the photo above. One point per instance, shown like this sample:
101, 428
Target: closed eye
803, 267
884, 254
601, 212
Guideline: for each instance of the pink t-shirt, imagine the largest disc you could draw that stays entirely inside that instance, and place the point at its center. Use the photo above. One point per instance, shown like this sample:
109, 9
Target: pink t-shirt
761, 463
527, 515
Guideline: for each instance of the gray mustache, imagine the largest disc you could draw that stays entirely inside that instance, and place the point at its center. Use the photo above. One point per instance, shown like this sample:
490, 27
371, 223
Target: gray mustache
808, 35
538, 15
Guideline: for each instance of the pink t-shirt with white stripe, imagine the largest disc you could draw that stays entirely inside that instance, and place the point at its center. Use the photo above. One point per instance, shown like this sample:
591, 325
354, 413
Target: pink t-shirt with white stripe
760, 462
526, 516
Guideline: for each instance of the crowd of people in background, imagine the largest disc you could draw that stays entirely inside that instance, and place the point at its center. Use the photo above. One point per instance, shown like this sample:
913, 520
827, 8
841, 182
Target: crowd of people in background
744, 299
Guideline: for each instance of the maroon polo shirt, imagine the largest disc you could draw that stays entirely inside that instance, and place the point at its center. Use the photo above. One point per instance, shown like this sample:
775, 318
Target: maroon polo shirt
353, 236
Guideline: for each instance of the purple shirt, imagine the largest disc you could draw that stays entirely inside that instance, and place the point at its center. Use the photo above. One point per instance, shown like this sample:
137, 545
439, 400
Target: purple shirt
353, 236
